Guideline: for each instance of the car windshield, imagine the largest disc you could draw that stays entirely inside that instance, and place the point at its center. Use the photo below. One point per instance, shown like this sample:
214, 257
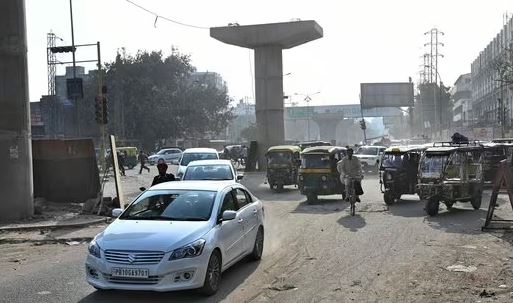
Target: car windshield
161, 152
208, 172
174, 205
189, 157
433, 164
279, 158
315, 161
369, 151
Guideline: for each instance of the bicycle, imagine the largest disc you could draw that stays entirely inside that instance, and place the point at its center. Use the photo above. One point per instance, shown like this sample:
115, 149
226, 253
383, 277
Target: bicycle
350, 194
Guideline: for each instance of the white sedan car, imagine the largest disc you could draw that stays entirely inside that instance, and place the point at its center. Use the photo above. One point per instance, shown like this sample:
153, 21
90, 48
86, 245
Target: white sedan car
176, 236
211, 170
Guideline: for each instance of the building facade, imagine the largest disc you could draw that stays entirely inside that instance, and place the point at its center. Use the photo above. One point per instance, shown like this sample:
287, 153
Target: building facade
489, 91
461, 96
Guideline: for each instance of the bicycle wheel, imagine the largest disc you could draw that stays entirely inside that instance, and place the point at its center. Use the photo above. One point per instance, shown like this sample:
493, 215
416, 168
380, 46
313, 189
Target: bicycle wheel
353, 206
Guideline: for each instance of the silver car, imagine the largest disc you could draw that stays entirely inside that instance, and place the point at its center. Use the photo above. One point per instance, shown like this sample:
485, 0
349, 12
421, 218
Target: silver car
166, 154
211, 170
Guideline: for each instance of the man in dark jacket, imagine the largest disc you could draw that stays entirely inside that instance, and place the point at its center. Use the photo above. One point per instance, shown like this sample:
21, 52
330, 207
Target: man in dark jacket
142, 159
163, 176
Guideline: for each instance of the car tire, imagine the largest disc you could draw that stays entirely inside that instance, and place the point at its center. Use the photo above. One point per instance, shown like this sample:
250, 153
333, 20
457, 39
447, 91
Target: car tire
388, 197
258, 247
213, 275
432, 205
311, 198
476, 199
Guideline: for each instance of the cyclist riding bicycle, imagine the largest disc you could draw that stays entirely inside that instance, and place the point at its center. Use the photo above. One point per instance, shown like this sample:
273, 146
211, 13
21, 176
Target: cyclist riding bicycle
350, 168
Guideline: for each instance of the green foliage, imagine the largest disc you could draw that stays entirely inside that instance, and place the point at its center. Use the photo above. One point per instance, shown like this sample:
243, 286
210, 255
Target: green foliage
151, 97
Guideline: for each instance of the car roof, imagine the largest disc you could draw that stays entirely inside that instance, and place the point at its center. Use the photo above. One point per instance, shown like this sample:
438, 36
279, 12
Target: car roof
210, 162
200, 150
195, 185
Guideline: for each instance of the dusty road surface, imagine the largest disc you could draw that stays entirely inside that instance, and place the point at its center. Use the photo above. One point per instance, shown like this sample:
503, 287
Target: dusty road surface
313, 253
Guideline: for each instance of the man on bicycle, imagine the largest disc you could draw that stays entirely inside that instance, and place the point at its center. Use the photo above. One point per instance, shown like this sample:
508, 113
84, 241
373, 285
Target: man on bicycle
350, 168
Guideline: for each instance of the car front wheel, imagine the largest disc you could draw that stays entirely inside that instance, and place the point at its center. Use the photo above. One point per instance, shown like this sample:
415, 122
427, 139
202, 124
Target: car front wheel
258, 247
213, 275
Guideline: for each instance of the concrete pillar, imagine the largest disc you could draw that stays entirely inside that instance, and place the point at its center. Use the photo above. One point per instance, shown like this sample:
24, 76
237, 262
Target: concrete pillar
268, 40
16, 187
327, 127
269, 91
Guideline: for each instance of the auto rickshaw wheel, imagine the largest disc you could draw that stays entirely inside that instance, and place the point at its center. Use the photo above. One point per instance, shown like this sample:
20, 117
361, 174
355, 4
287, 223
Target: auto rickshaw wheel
388, 197
449, 205
432, 205
279, 186
476, 199
311, 198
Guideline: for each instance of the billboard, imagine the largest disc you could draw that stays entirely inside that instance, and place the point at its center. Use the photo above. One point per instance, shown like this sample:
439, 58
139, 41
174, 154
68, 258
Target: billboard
399, 94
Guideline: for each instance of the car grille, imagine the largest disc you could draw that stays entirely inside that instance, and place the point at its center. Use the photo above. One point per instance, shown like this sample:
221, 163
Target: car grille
122, 280
134, 257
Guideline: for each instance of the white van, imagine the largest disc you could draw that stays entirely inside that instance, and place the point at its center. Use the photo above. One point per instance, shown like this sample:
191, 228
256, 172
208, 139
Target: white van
194, 154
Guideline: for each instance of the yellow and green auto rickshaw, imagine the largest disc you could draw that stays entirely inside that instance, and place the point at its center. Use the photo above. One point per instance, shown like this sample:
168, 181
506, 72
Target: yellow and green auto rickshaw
318, 173
282, 166
131, 155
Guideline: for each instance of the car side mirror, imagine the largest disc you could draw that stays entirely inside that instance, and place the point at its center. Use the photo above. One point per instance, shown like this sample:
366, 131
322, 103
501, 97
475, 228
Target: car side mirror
142, 188
229, 215
116, 212
239, 177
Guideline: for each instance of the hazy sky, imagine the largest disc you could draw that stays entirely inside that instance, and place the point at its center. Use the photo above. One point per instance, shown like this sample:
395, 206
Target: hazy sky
364, 41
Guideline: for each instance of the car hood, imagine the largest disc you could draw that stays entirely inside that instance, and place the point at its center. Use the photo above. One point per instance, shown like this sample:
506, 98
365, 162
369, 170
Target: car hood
153, 156
151, 234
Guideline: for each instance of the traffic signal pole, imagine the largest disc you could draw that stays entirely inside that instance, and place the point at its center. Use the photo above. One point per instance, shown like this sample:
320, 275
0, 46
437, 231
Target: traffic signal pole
102, 125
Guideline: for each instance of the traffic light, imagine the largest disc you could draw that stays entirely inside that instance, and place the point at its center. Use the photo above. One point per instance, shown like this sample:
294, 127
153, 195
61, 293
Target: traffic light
62, 49
105, 110
362, 124
98, 109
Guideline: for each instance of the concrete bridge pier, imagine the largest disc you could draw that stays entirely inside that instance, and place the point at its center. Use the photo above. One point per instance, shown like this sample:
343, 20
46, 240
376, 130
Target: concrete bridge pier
16, 201
268, 41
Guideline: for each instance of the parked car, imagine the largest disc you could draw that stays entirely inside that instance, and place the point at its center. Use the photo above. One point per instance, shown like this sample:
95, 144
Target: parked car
193, 154
211, 170
166, 154
370, 157
177, 236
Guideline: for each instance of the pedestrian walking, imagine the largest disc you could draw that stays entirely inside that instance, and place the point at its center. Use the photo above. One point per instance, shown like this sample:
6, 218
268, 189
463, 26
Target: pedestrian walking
121, 163
142, 160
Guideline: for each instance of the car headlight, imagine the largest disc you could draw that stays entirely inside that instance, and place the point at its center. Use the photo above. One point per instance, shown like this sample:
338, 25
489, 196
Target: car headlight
188, 251
94, 249
324, 178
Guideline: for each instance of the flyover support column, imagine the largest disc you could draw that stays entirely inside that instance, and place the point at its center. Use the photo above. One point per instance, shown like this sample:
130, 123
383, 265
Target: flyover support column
269, 93
16, 185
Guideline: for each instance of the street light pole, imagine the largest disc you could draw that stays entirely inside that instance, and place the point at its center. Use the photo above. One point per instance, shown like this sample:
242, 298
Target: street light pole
77, 119
307, 100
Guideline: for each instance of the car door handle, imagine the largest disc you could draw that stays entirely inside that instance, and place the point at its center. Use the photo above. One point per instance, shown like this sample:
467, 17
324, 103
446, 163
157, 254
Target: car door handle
241, 220
255, 212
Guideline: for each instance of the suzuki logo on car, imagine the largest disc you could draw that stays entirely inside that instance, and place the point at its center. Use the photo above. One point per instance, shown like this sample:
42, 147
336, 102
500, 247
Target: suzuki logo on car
131, 259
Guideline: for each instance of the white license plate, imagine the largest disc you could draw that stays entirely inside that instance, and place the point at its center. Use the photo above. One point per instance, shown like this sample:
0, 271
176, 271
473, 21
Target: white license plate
130, 272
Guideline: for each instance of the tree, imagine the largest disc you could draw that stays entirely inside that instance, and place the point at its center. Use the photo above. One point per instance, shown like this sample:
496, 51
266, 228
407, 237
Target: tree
151, 97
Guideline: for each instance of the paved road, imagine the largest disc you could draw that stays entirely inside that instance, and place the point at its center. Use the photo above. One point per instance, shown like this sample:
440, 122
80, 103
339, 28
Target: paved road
313, 253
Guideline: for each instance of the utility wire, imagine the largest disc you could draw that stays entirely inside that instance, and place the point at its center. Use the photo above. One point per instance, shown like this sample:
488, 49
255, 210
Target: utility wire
157, 16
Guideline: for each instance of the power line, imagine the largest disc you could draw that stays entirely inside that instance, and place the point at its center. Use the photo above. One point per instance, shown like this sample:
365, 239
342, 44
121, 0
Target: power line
157, 16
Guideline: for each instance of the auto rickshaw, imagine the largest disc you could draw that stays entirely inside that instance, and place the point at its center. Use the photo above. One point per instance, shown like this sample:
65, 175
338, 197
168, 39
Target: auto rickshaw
307, 144
282, 166
131, 155
494, 153
398, 171
451, 173
318, 173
